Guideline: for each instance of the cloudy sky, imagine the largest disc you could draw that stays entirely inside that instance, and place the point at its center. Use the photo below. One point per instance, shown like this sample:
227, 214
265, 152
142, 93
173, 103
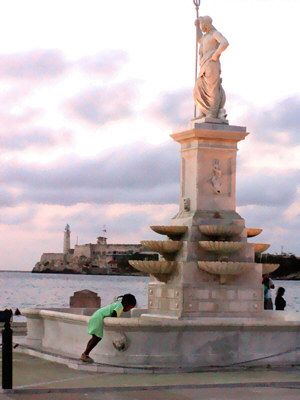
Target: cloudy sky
90, 92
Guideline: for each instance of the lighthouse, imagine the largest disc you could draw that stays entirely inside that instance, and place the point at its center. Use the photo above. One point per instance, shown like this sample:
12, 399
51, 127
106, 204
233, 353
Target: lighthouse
67, 239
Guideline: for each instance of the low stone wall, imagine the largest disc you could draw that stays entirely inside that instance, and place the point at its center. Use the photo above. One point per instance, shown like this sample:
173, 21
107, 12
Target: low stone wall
19, 328
146, 342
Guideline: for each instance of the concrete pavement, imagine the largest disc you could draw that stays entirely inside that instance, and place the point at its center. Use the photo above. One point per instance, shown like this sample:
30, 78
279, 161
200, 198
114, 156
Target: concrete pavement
35, 379
170, 394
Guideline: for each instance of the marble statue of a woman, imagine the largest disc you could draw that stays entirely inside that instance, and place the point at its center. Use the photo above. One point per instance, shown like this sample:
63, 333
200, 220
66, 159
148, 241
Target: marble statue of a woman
209, 94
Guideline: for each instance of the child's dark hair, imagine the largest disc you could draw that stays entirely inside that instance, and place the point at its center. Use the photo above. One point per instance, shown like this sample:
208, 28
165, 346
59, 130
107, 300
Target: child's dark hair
127, 299
280, 291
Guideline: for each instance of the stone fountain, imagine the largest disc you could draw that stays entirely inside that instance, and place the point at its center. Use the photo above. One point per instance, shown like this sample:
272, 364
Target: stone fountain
208, 266
205, 296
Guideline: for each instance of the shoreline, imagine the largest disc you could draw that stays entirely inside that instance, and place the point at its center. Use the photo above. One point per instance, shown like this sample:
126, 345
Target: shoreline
284, 278
89, 273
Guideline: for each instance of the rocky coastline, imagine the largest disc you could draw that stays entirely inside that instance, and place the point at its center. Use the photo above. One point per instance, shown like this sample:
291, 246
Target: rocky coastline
84, 266
100, 258
71, 272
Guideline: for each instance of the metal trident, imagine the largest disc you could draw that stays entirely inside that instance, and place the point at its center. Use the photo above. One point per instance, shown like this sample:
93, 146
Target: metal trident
197, 4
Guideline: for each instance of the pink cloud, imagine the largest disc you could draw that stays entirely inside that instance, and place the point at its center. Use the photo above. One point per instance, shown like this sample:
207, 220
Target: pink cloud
102, 104
107, 63
33, 65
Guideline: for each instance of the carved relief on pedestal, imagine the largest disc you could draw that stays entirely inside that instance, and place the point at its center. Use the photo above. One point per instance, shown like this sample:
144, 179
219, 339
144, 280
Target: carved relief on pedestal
229, 176
215, 179
187, 204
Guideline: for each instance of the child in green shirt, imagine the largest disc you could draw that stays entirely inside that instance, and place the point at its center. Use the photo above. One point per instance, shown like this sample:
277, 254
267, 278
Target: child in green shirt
95, 326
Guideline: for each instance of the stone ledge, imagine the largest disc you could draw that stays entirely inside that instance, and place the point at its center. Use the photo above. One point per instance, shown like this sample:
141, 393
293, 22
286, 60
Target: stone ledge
48, 314
209, 132
197, 124
262, 323
266, 320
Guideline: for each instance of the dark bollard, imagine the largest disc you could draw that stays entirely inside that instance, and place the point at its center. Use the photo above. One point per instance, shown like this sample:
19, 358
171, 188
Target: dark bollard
7, 345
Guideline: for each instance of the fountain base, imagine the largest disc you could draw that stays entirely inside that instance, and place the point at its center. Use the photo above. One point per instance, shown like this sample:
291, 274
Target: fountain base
165, 344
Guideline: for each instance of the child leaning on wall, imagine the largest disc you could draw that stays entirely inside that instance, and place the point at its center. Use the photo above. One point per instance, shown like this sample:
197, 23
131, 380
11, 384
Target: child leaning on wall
95, 326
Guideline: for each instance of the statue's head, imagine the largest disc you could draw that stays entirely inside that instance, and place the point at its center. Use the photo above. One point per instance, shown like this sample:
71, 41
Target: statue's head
205, 23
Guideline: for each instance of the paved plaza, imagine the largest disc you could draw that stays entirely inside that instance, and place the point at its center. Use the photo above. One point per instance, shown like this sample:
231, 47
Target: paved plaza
35, 379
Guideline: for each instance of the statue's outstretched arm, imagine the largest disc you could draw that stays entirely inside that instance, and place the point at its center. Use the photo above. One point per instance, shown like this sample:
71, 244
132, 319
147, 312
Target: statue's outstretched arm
223, 44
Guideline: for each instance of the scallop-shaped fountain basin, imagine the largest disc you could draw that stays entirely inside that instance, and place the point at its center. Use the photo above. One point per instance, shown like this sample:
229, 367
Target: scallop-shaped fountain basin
170, 230
154, 267
268, 268
162, 246
221, 230
225, 268
222, 247
261, 247
251, 232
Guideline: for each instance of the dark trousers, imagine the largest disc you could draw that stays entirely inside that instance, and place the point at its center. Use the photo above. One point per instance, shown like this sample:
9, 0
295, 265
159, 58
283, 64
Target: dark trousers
268, 304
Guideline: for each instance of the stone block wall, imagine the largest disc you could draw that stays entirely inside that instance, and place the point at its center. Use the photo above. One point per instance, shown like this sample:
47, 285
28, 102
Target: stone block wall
189, 301
123, 247
83, 250
52, 257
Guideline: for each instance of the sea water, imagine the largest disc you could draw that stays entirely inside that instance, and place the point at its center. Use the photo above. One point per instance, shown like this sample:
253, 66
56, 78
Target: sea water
24, 289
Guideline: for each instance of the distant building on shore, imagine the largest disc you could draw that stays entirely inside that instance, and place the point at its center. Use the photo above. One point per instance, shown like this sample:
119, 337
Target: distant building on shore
92, 258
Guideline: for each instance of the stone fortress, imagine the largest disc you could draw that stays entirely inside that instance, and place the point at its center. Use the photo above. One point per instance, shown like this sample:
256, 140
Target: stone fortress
90, 258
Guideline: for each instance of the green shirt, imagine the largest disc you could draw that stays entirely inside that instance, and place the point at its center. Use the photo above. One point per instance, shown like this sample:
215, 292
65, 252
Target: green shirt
95, 326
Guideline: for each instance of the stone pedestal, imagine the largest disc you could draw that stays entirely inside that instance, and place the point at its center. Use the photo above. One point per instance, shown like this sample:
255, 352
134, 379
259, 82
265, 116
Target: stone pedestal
208, 166
208, 197
85, 299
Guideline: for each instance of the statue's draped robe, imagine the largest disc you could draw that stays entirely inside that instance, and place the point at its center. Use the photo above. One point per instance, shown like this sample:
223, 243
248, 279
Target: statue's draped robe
209, 94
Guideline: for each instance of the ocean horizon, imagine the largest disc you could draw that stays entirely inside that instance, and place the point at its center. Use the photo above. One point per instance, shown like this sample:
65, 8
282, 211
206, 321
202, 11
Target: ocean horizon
54, 290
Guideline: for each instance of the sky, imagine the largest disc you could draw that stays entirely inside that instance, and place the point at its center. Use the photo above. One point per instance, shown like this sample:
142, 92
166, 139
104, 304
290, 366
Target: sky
90, 91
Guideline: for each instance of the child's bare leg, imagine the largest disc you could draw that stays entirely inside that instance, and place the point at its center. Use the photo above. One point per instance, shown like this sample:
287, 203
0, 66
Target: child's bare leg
91, 344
